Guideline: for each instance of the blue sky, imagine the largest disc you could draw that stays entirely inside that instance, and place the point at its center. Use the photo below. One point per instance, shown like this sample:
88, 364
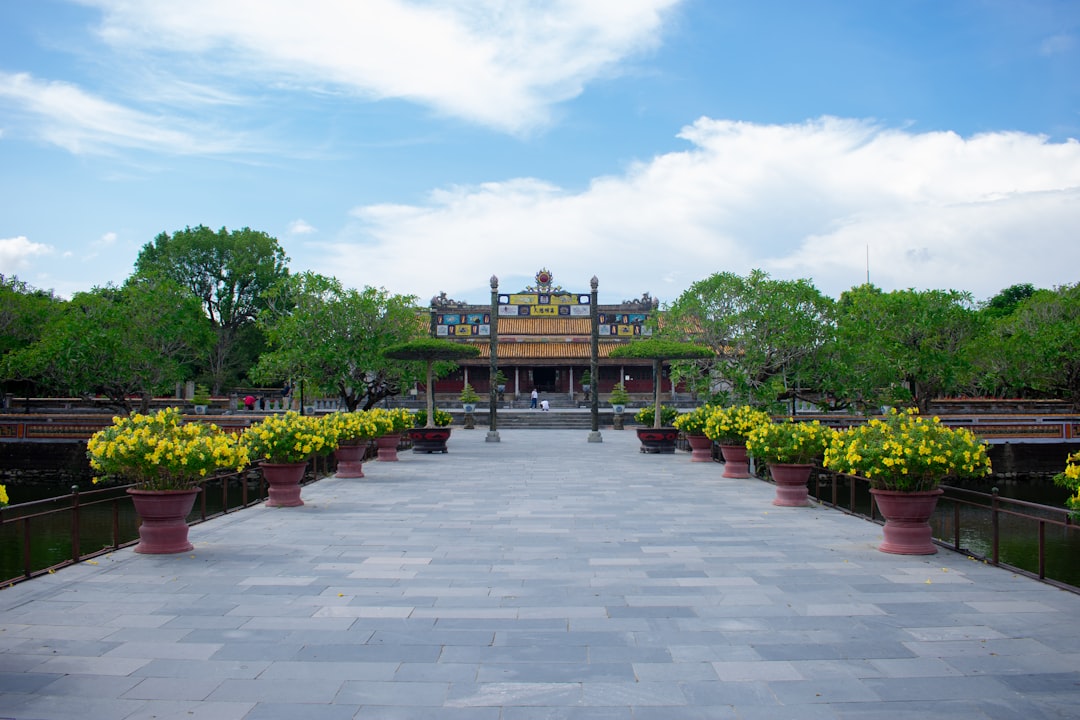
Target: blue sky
423, 146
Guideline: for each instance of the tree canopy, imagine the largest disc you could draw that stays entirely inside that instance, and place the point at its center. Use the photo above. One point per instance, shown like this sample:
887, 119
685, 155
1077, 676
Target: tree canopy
333, 337
658, 350
138, 340
430, 351
228, 271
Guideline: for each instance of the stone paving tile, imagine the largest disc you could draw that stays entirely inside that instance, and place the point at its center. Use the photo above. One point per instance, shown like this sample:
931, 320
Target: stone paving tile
540, 577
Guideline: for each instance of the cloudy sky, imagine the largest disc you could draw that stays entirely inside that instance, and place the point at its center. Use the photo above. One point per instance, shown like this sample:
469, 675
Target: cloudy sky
424, 145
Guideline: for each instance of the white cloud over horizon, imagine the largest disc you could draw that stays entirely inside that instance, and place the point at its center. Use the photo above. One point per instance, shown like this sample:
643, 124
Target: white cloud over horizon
811, 200
499, 64
17, 254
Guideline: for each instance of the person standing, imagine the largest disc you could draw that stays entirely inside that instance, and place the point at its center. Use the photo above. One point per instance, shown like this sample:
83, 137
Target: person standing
533, 398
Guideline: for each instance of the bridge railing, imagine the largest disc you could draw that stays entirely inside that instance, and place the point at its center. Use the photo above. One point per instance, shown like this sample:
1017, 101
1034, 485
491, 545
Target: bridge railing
42, 536
1039, 541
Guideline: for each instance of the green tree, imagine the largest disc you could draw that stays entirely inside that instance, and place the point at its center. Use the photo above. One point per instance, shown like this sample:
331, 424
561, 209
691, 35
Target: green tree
901, 347
1035, 350
766, 333
659, 350
1006, 301
228, 272
332, 338
25, 312
438, 357
138, 340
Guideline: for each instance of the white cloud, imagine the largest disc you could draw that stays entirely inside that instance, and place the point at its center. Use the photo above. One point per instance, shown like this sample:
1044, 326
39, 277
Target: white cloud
67, 116
17, 254
497, 63
301, 227
934, 210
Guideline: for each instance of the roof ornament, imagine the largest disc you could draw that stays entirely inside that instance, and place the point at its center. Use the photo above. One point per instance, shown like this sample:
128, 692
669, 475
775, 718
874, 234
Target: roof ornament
544, 283
645, 302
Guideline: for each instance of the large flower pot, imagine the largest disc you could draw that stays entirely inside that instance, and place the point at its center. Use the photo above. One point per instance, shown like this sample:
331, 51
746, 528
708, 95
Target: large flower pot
284, 480
736, 461
790, 479
429, 440
388, 447
907, 521
700, 448
163, 513
350, 460
660, 440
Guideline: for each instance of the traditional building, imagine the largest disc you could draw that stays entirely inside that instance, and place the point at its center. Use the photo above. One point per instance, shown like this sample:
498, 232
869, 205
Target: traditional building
544, 341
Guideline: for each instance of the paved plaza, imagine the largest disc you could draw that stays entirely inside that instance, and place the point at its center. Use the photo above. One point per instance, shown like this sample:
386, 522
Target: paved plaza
539, 577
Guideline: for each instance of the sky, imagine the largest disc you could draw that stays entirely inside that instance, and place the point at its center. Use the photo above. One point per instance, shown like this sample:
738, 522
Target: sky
424, 146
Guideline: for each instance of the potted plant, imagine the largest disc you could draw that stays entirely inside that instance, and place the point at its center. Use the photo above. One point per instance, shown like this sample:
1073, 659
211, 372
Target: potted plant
618, 398
283, 444
430, 351
692, 425
729, 427
906, 456
354, 431
657, 437
431, 435
394, 423
468, 399
659, 350
789, 448
201, 399
1070, 478
167, 460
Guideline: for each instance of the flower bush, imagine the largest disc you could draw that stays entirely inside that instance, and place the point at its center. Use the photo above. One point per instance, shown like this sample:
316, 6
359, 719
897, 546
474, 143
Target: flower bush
3, 496
693, 422
354, 427
731, 425
289, 438
907, 452
647, 415
1070, 478
788, 442
394, 421
442, 418
161, 452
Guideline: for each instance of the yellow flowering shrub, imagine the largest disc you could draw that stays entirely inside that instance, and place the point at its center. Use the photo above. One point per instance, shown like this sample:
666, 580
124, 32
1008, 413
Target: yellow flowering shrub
289, 438
160, 451
907, 452
355, 426
731, 425
693, 422
3, 496
788, 442
399, 419
1070, 478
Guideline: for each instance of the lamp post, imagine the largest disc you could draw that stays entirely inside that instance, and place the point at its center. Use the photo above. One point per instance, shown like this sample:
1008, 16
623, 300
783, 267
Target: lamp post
594, 367
493, 337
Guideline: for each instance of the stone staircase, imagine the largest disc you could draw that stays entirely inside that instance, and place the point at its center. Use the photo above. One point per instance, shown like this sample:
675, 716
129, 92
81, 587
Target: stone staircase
556, 418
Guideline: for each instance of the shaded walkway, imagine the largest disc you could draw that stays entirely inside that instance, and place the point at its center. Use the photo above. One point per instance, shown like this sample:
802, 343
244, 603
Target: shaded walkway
541, 577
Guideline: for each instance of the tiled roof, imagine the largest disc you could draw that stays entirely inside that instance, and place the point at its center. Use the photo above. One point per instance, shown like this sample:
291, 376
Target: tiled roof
544, 326
546, 350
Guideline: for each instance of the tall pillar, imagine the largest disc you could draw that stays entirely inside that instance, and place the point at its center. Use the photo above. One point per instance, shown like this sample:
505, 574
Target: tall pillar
594, 367
493, 394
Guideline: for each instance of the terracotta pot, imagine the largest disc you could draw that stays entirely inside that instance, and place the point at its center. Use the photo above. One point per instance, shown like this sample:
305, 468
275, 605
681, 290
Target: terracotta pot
700, 448
284, 480
790, 479
736, 461
163, 514
350, 460
429, 440
660, 441
388, 447
907, 521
